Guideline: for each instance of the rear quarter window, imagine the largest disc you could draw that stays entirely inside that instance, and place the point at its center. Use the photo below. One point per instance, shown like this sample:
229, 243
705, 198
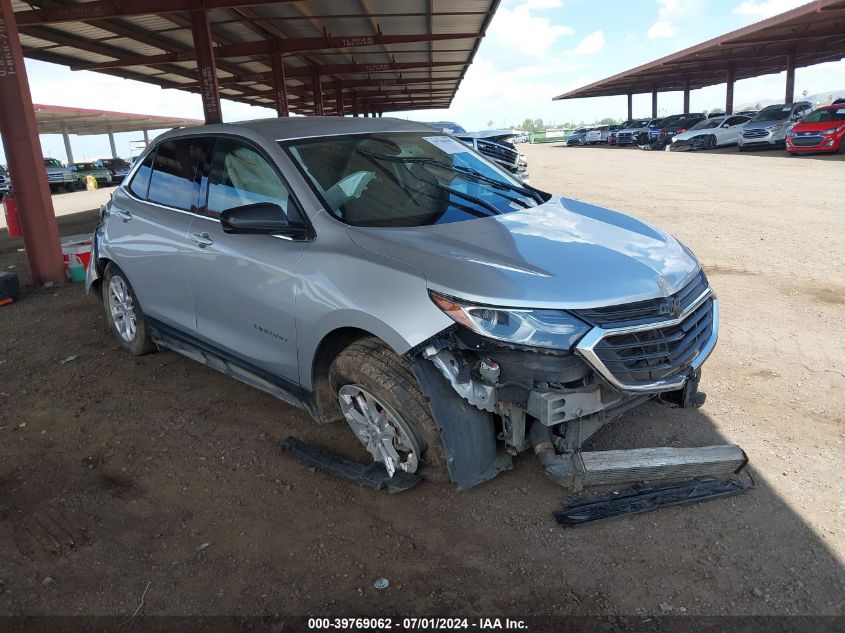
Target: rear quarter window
172, 180
141, 180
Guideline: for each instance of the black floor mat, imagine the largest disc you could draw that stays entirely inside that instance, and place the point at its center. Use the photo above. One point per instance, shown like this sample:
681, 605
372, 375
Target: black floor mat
645, 498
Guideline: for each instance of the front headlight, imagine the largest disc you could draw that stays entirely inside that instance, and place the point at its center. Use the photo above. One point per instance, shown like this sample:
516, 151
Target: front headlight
536, 328
832, 130
775, 128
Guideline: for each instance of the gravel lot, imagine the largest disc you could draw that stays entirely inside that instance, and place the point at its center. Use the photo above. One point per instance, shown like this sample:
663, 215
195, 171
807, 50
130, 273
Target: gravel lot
165, 475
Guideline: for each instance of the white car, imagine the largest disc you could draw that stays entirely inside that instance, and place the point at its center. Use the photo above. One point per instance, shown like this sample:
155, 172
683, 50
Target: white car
711, 133
597, 135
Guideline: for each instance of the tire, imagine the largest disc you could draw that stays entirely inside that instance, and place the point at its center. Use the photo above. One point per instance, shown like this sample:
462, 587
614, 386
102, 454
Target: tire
710, 143
118, 299
369, 365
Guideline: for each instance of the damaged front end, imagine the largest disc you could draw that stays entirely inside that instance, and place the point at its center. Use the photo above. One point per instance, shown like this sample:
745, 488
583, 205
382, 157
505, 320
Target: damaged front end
552, 399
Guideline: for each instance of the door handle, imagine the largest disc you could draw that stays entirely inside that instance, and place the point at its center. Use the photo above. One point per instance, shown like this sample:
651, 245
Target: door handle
123, 215
202, 239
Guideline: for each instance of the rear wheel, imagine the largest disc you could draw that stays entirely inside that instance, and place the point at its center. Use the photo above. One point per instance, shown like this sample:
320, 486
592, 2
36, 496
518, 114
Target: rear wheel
710, 142
386, 411
123, 313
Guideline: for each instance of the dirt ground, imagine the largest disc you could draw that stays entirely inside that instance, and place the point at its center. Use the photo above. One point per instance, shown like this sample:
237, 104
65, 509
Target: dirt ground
156, 477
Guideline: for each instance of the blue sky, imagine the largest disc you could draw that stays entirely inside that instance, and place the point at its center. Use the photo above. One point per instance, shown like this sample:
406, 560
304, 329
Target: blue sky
534, 50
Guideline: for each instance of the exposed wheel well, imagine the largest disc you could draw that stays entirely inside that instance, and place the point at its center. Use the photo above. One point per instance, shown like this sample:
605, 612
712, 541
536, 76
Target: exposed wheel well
331, 345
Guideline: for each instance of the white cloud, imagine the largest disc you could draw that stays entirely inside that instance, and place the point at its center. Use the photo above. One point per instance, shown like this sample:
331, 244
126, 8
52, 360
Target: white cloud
520, 32
542, 4
661, 28
590, 45
766, 8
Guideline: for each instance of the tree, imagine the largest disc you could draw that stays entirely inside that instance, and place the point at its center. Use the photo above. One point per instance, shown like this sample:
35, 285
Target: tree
608, 121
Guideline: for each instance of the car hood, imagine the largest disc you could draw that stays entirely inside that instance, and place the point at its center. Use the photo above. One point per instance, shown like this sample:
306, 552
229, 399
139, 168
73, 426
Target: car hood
562, 254
683, 136
817, 127
762, 125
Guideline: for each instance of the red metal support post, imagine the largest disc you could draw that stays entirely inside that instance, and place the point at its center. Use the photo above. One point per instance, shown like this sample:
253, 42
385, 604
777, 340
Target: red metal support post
354, 106
654, 103
206, 70
729, 92
26, 162
686, 95
630, 106
280, 92
790, 77
317, 89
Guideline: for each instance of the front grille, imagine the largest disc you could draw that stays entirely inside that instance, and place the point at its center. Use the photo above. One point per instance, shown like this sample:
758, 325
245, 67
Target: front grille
807, 141
627, 137
649, 311
755, 133
499, 152
639, 358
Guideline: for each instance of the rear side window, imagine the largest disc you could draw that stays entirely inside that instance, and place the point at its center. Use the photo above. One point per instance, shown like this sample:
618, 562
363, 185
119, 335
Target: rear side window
174, 170
240, 175
141, 181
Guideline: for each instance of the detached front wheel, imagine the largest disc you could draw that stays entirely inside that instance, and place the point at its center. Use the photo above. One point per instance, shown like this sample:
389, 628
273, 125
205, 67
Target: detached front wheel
386, 411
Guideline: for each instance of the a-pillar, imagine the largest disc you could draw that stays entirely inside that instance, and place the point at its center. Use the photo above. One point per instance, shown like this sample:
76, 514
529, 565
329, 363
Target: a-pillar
26, 162
790, 77
317, 90
68, 149
112, 145
209, 89
280, 92
146, 138
686, 95
729, 92
654, 103
630, 106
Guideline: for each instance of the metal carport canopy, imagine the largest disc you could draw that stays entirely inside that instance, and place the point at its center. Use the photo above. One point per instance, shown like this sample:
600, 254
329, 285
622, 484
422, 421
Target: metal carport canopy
810, 34
306, 45
63, 120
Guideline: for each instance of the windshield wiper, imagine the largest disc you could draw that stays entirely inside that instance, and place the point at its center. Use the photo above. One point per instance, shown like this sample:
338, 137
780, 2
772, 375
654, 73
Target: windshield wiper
464, 171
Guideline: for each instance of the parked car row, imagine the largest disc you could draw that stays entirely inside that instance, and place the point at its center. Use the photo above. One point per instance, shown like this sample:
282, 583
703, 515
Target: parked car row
794, 126
496, 145
61, 177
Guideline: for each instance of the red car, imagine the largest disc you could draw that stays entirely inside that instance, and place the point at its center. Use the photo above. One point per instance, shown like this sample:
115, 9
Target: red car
822, 130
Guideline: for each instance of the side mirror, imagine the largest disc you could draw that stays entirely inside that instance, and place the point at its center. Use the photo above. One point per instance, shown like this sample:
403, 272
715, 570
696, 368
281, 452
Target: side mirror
261, 218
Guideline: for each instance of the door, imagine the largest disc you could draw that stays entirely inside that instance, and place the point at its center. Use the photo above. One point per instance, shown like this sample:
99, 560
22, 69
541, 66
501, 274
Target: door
148, 238
244, 286
728, 132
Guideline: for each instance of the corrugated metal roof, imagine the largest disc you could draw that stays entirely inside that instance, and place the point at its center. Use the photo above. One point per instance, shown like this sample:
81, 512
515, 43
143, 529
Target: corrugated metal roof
812, 33
135, 37
56, 119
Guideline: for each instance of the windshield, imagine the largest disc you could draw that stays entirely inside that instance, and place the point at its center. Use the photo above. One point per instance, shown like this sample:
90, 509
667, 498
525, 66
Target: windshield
85, 166
706, 124
405, 179
773, 113
51, 162
823, 116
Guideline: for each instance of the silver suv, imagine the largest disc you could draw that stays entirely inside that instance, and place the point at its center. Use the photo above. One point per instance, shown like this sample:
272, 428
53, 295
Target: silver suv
769, 127
382, 273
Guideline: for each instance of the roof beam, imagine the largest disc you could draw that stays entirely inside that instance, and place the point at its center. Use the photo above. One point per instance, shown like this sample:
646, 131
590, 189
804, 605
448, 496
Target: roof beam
339, 69
267, 47
104, 9
833, 31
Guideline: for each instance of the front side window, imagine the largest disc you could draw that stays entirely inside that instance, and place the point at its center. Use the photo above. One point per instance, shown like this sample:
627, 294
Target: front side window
51, 162
405, 179
174, 170
240, 175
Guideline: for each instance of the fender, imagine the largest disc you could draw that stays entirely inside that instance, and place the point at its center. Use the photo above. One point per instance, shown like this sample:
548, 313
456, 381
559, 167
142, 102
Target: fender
468, 434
